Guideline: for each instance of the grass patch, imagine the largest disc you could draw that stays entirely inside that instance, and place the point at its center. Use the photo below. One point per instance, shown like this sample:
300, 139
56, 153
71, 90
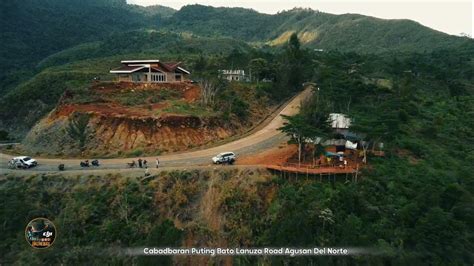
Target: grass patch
126, 98
184, 108
135, 153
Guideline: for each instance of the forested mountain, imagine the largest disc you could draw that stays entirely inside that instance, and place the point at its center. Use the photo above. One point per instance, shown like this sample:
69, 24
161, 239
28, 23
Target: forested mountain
403, 84
49, 42
36, 29
349, 32
412, 205
33, 29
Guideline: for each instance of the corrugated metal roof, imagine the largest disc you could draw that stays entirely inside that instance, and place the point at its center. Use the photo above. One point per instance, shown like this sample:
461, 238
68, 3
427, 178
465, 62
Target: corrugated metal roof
339, 120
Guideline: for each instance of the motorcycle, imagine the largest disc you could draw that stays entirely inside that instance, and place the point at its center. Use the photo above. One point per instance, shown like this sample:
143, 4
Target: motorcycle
132, 164
95, 162
61, 167
85, 163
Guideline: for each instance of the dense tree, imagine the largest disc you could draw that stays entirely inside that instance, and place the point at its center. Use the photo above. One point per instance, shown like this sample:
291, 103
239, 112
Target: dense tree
258, 67
309, 126
291, 72
298, 129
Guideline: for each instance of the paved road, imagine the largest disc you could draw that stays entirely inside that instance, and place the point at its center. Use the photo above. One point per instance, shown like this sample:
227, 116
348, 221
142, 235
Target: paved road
265, 138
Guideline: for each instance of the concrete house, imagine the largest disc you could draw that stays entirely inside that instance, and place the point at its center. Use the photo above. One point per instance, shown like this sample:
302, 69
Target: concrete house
150, 71
233, 74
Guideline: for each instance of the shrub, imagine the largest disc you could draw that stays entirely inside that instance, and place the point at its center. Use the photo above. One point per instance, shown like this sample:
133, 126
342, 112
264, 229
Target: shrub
135, 153
240, 108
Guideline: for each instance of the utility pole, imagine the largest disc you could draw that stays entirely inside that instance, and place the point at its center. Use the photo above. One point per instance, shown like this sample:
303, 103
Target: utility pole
317, 97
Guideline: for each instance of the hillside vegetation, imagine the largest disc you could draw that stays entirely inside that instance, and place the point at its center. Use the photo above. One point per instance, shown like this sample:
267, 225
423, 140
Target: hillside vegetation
412, 206
422, 190
407, 220
63, 45
36, 29
348, 32
404, 85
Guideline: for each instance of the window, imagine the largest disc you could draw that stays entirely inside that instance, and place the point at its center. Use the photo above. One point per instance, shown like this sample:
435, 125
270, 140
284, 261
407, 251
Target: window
158, 77
136, 77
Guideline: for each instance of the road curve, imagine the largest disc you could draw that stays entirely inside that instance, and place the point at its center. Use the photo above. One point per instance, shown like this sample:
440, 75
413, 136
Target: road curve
267, 137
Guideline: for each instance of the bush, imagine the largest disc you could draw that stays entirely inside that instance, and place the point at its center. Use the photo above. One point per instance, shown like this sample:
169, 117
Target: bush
135, 153
4, 135
240, 108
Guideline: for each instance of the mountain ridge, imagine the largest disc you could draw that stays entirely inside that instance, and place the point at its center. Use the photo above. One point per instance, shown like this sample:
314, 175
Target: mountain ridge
366, 34
82, 32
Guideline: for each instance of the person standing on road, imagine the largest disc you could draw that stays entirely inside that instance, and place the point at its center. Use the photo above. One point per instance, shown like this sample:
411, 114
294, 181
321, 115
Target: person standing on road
157, 162
140, 162
147, 172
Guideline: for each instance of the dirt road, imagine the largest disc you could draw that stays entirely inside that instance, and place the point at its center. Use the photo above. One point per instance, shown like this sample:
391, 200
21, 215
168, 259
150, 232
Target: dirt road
263, 139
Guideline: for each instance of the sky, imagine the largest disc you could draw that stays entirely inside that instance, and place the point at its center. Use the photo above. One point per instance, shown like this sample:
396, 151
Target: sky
453, 17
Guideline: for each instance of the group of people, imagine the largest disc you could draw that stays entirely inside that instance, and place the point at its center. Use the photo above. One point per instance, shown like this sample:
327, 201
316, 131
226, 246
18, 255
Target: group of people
144, 164
332, 161
339, 161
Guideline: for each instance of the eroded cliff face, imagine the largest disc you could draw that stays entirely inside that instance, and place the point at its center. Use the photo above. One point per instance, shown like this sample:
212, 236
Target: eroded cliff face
121, 135
115, 119
168, 133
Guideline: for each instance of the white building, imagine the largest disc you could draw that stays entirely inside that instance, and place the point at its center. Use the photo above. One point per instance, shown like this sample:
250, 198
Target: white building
233, 74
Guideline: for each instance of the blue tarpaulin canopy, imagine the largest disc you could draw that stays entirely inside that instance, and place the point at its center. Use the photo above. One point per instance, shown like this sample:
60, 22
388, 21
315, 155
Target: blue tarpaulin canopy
331, 154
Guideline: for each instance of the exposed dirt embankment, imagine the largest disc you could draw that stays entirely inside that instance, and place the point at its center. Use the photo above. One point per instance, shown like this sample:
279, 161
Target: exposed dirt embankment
124, 120
127, 134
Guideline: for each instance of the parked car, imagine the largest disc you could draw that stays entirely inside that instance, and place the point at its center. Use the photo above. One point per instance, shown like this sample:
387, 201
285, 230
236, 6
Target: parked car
23, 162
224, 157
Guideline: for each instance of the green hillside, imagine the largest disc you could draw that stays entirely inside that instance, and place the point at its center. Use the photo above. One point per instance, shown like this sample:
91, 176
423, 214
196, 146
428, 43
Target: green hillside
75, 68
144, 44
403, 85
348, 32
36, 29
54, 45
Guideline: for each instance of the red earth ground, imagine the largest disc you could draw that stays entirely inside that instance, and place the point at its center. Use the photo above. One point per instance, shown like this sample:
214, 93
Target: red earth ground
286, 156
276, 155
